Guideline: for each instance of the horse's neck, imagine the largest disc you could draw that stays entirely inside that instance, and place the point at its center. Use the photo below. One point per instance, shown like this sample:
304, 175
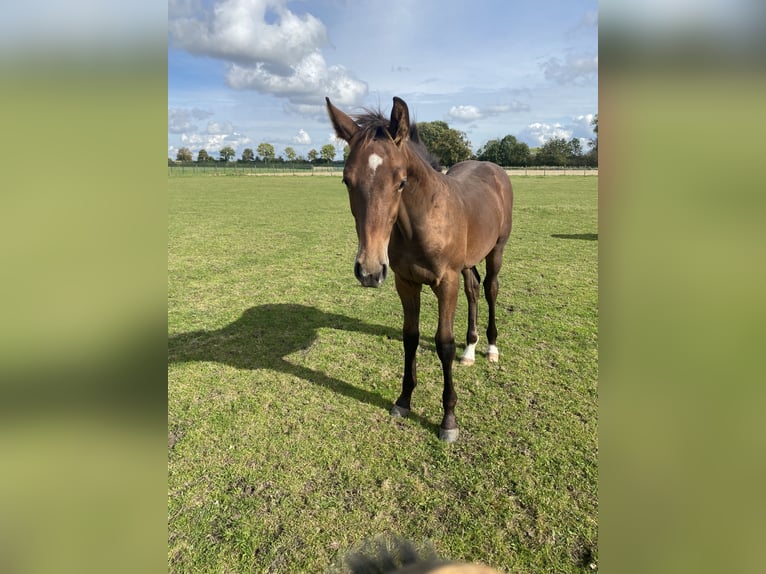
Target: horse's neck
415, 209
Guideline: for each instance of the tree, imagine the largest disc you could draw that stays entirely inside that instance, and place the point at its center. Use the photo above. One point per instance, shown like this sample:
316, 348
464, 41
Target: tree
594, 123
491, 151
575, 152
327, 152
248, 155
290, 154
554, 152
184, 154
449, 145
312, 155
592, 155
266, 151
203, 156
226, 153
506, 152
517, 153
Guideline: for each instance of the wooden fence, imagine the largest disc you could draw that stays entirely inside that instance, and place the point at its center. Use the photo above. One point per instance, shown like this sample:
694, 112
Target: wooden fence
304, 170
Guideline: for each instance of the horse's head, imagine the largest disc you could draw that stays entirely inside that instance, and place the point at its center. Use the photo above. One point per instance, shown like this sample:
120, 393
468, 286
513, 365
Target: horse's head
375, 176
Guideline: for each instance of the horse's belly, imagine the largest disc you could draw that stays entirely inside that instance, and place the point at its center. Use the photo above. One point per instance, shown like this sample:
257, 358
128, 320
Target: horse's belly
476, 252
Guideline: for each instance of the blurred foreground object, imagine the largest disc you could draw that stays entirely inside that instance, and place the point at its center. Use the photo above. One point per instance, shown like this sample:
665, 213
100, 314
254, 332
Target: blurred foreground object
681, 119
82, 300
389, 554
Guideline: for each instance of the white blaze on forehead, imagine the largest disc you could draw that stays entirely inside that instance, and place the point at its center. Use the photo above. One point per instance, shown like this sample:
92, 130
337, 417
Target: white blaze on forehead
374, 161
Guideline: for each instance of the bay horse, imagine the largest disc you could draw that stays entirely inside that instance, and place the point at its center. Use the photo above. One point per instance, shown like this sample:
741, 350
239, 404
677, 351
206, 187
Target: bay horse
429, 228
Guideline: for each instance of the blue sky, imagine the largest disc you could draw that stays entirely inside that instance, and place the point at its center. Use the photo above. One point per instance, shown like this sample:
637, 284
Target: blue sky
242, 72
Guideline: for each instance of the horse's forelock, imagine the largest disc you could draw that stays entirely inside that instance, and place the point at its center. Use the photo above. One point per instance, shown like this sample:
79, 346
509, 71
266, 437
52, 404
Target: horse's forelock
375, 126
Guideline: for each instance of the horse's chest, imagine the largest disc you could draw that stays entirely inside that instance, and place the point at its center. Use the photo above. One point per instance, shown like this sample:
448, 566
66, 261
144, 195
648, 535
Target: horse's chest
415, 261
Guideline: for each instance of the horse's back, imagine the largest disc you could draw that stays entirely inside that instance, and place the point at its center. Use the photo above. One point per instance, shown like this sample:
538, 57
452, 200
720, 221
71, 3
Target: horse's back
486, 192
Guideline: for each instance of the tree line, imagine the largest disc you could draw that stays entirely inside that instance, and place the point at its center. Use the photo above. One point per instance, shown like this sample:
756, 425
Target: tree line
449, 145
452, 146
265, 154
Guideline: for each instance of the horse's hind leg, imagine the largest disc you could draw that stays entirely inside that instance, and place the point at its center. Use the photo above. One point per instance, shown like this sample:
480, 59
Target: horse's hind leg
471, 281
491, 285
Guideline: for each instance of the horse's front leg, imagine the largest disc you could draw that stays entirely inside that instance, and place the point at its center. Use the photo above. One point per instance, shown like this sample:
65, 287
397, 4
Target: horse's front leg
446, 293
409, 293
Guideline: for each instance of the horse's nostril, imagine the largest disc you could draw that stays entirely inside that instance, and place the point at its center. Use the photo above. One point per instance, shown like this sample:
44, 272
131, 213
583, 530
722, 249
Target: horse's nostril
367, 279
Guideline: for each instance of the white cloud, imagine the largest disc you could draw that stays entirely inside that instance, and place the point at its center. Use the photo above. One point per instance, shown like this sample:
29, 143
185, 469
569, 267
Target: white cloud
180, 119
514, 106
269, 49
238, 30
218, 128
316, 110
574, 70
212, 138
465, 113
541, 132
577, 127
470, 113
237, 140
302, 138
306, 84
583, 124
217, 136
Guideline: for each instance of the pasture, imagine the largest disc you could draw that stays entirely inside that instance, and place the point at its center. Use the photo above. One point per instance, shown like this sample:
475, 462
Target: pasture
282, 456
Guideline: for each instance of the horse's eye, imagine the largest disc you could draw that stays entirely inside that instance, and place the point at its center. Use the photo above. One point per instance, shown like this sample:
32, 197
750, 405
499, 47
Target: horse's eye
402, 184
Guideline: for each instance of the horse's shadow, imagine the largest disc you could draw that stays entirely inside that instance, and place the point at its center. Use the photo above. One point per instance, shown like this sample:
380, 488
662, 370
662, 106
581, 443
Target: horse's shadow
264, 335
586, 236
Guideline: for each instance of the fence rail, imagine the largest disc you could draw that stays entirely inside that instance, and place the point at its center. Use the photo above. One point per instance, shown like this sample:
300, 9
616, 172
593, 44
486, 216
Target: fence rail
244, 170
303, 170
536, 170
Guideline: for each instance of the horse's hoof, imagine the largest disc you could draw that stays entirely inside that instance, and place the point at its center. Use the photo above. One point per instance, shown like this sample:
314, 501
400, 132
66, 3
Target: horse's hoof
448, 435
493, 357
397, 411
467, 361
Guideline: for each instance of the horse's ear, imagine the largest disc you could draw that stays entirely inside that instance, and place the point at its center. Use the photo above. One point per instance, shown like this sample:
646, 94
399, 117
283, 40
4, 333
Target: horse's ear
345, 127
400, 121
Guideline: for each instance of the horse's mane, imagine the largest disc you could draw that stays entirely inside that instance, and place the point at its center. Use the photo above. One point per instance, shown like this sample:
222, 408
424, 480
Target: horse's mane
374, 125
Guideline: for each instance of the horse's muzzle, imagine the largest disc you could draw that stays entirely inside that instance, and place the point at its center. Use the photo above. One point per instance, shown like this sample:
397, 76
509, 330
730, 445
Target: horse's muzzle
375, 279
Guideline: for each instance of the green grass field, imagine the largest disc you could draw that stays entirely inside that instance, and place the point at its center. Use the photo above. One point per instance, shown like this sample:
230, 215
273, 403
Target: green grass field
282, 456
